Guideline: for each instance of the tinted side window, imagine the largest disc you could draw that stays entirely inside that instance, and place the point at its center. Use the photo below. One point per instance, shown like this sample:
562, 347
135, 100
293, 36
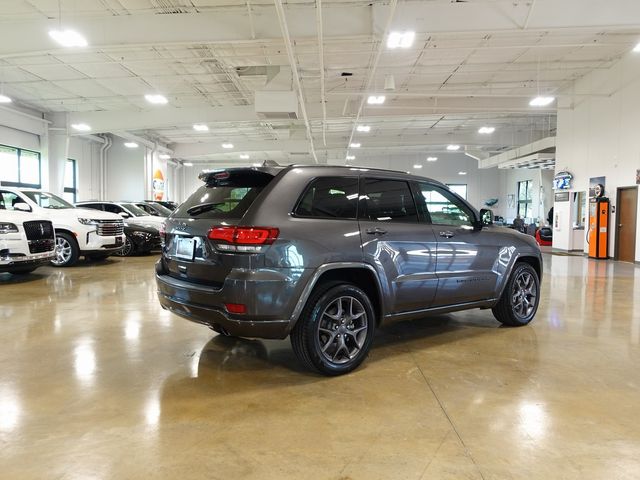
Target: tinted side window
444, 208
95, 206
330, 197
112, 208
389, 201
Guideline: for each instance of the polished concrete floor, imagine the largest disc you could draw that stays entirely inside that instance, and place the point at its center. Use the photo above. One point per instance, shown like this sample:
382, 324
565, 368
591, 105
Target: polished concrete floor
97, 382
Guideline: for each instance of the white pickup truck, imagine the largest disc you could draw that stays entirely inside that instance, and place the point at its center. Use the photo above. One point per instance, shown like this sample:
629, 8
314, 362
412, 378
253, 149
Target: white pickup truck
27, 241
79, 231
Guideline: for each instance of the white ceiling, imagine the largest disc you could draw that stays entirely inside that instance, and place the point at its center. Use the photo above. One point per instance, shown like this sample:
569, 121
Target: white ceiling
472, 63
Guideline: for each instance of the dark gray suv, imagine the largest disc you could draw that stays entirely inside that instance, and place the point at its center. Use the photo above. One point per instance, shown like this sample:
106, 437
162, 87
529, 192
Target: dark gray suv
325, 254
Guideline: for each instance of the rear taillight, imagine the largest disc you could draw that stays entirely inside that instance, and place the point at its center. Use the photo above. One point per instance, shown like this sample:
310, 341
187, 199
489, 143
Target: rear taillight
243, 239
162, 231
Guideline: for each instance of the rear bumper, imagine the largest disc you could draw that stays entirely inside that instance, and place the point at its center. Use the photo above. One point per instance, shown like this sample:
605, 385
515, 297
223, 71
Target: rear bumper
267, 315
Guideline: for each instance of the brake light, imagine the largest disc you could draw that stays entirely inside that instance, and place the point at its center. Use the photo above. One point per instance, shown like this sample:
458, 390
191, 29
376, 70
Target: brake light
162, 230
244, 235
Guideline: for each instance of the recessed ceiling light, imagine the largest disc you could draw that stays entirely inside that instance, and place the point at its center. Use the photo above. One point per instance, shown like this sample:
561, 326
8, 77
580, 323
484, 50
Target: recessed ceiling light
354, 145
227, 145
453, 148
156, 99
376, 100
417, 165
81, 127
400, 39
131, 144
432, 159
256, 164
244, 156
541, 101
200, 127
68, 38
487, 130
164, 156
363, 128
636, 49
187, 164
351, 157
462, 173
4, 99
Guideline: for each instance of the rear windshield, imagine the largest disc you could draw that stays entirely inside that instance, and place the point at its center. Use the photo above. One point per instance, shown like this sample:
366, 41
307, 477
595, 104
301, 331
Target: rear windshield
226, 197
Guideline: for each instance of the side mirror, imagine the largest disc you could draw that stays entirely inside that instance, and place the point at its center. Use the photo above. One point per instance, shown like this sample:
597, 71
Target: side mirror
124, 214
22, 207
486, 216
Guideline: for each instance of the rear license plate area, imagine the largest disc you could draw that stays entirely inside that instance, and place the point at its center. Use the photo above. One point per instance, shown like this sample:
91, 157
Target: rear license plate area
185, 248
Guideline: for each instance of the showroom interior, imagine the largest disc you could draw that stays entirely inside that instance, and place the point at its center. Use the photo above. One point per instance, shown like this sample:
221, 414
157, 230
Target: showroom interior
529, 108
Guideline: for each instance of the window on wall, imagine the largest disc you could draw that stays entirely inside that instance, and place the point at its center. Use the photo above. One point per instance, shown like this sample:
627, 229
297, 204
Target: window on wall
459, 188
19, 167
525, 199
70, 181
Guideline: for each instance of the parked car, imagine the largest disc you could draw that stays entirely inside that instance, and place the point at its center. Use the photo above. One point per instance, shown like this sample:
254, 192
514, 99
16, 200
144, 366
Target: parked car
127, 210
154, 208
166, 204
79, 232
27, 241
325, 254
139, 240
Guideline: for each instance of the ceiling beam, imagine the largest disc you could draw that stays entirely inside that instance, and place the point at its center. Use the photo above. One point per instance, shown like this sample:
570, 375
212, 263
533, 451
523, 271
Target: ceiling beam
204, 149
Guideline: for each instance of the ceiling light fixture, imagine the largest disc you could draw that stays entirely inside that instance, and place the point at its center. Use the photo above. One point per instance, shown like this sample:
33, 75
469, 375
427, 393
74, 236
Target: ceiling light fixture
486, 130
187, 164
164, 156
131, 144
363, 128
156, 99
453, 148
541, 101
227, 145
354, 145
68, 38
417, 165
351, 157
81, 127
4, 99
400, 39
376, 100
432, 159
200, 127
244, 156
636, 49
462, 173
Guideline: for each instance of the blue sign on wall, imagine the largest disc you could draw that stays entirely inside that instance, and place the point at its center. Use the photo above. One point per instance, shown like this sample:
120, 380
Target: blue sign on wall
562, 181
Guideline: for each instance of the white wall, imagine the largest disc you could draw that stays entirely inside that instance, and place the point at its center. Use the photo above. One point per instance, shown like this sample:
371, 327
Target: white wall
125, 172
598, 136
87, 156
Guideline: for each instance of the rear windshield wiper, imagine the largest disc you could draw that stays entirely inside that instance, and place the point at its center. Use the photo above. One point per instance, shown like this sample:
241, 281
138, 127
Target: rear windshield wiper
204, 207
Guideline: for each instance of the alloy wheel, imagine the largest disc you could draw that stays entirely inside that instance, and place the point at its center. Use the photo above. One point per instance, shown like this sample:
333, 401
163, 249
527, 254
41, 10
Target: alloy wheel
342, 330
524, 295
63, 251
126, 249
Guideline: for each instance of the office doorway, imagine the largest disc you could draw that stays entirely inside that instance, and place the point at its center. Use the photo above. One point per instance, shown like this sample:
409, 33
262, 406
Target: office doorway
626, 212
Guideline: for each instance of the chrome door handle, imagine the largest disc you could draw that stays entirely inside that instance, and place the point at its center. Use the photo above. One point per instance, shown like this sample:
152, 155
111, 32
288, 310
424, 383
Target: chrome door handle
376, 231
447, 234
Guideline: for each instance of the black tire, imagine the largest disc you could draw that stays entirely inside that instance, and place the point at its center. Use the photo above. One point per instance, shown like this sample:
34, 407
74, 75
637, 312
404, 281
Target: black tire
67, 250
127, 249
340, 318
22, 270
519, 301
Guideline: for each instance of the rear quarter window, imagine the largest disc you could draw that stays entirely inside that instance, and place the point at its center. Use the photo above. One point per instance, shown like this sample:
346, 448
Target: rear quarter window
330, 197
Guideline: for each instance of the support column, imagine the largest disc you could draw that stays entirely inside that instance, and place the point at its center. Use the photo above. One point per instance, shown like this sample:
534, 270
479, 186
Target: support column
57, 153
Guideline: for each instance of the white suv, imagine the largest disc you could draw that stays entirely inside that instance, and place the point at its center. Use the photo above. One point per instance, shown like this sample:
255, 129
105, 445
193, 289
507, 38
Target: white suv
27, 241
79, 231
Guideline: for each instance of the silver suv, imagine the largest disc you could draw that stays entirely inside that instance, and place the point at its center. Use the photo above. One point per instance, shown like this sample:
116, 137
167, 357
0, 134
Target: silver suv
326, 254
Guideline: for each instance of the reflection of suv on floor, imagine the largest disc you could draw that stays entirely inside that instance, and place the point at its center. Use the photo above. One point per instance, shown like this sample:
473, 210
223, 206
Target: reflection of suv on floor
78, 231
326, 254
26, 241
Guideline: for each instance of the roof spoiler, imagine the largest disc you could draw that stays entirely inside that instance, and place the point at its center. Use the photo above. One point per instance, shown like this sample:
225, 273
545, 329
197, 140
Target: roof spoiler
268, 166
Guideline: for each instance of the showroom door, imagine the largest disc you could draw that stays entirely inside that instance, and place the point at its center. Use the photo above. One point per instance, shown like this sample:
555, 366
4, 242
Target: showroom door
397, 245
626, 224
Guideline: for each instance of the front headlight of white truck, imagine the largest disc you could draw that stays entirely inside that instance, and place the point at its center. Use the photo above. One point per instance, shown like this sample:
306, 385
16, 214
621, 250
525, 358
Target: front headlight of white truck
6, 227
87, 221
